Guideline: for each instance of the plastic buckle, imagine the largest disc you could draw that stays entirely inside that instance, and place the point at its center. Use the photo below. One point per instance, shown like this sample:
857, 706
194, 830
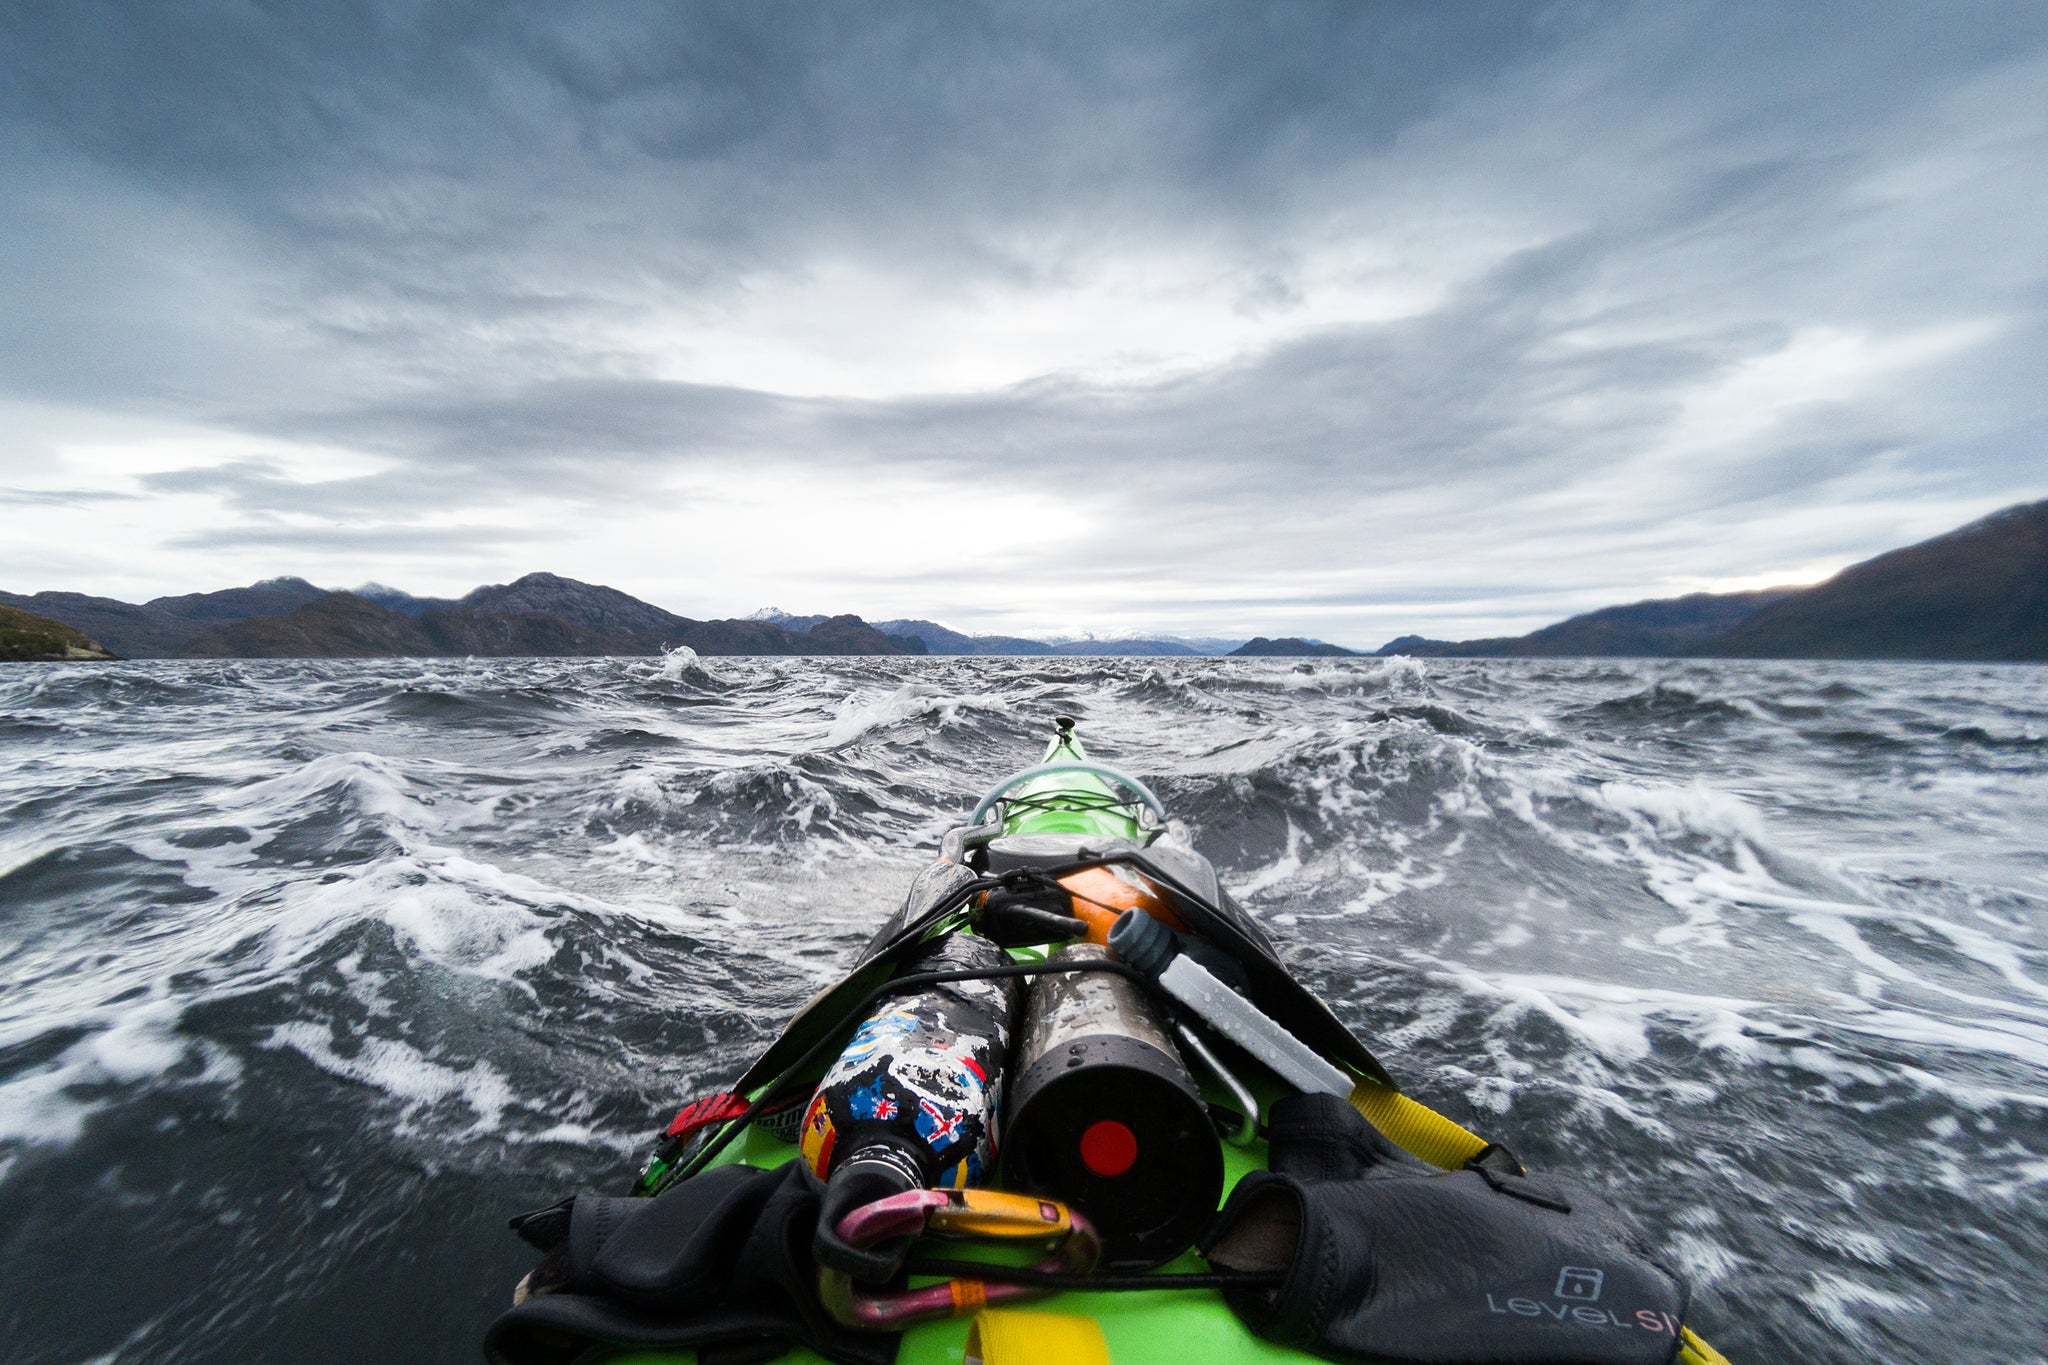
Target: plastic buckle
701, 1113
994, 1216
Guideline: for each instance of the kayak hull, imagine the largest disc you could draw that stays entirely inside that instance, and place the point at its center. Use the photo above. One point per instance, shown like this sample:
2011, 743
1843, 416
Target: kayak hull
1081, 813
1169, 1327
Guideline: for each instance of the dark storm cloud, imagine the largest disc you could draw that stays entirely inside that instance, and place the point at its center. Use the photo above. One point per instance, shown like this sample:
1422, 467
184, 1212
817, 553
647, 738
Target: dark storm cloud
439, 235
220, 95
442, 162
424, 168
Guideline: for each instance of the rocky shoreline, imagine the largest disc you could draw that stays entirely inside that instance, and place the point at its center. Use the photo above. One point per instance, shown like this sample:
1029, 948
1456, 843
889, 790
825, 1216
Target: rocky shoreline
28, 638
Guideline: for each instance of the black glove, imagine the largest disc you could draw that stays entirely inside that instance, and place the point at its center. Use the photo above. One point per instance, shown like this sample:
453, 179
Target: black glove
719, 1263
1387, 1258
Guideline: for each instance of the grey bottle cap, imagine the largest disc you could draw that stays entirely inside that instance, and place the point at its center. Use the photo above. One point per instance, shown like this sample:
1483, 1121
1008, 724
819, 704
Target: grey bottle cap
1142, 942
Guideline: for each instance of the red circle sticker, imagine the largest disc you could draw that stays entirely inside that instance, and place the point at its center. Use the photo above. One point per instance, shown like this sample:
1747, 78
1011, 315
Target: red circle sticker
1108, 1148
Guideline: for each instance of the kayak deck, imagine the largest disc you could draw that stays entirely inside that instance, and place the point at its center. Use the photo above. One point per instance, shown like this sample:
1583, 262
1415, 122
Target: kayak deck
1178, 1324
1169, 1327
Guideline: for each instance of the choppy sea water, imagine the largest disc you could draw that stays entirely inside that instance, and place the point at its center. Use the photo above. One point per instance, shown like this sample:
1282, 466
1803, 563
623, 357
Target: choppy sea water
312, 973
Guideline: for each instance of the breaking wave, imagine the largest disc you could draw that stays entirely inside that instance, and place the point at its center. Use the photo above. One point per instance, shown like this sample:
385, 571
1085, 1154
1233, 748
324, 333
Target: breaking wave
318, 970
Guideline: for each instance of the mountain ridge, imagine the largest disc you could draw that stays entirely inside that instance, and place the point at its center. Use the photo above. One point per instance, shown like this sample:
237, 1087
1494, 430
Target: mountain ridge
1979, 592
1657, 627
541, 614
1290, 647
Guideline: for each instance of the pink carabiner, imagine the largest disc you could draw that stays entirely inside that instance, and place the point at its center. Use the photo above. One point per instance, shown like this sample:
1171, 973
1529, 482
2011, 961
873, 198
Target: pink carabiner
989, 1215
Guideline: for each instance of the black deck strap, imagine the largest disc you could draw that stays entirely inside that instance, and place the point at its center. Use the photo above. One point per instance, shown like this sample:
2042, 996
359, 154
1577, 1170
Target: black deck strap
1494, 1157
961, 1268
869, 1265
545, 1229
1497, 1166
1386, 1258
941, 891
720, 1263
794, 1077
1210, 913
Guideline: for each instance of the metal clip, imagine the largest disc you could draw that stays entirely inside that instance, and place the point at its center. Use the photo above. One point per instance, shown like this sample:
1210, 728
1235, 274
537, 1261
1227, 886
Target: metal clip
984, 1215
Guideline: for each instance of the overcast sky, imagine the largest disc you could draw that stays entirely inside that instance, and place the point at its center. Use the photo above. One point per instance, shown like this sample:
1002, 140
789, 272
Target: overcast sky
1342, 319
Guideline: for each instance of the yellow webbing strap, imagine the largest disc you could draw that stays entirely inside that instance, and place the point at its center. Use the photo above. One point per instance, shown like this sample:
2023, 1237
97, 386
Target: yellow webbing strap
1416, 1127
1693, 1351
1004, 1337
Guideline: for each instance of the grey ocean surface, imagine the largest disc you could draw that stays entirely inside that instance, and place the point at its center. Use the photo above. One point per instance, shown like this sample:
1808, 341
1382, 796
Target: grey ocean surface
313, 973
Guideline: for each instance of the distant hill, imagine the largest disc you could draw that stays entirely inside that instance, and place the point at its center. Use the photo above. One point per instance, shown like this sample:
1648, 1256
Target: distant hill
519, 634
402, 602
776, 616
162, 626
1979, 592
271, 597
933, 637
1675, 625
834, 635
1290, 647
1422, 647
28, 638
940, 639
126, 629
337, 625
605, 610
540, 614
851, 635
342, 625
1659, 628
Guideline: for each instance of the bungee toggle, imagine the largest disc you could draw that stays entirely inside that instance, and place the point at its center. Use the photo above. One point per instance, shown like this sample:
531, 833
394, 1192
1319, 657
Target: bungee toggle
998, 1217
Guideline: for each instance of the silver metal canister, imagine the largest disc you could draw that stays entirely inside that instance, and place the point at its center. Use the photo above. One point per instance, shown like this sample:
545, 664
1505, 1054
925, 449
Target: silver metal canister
1104, 1116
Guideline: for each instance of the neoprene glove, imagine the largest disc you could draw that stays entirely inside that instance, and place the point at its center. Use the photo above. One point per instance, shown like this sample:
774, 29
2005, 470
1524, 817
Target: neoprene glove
1387, 1258
719, 1263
